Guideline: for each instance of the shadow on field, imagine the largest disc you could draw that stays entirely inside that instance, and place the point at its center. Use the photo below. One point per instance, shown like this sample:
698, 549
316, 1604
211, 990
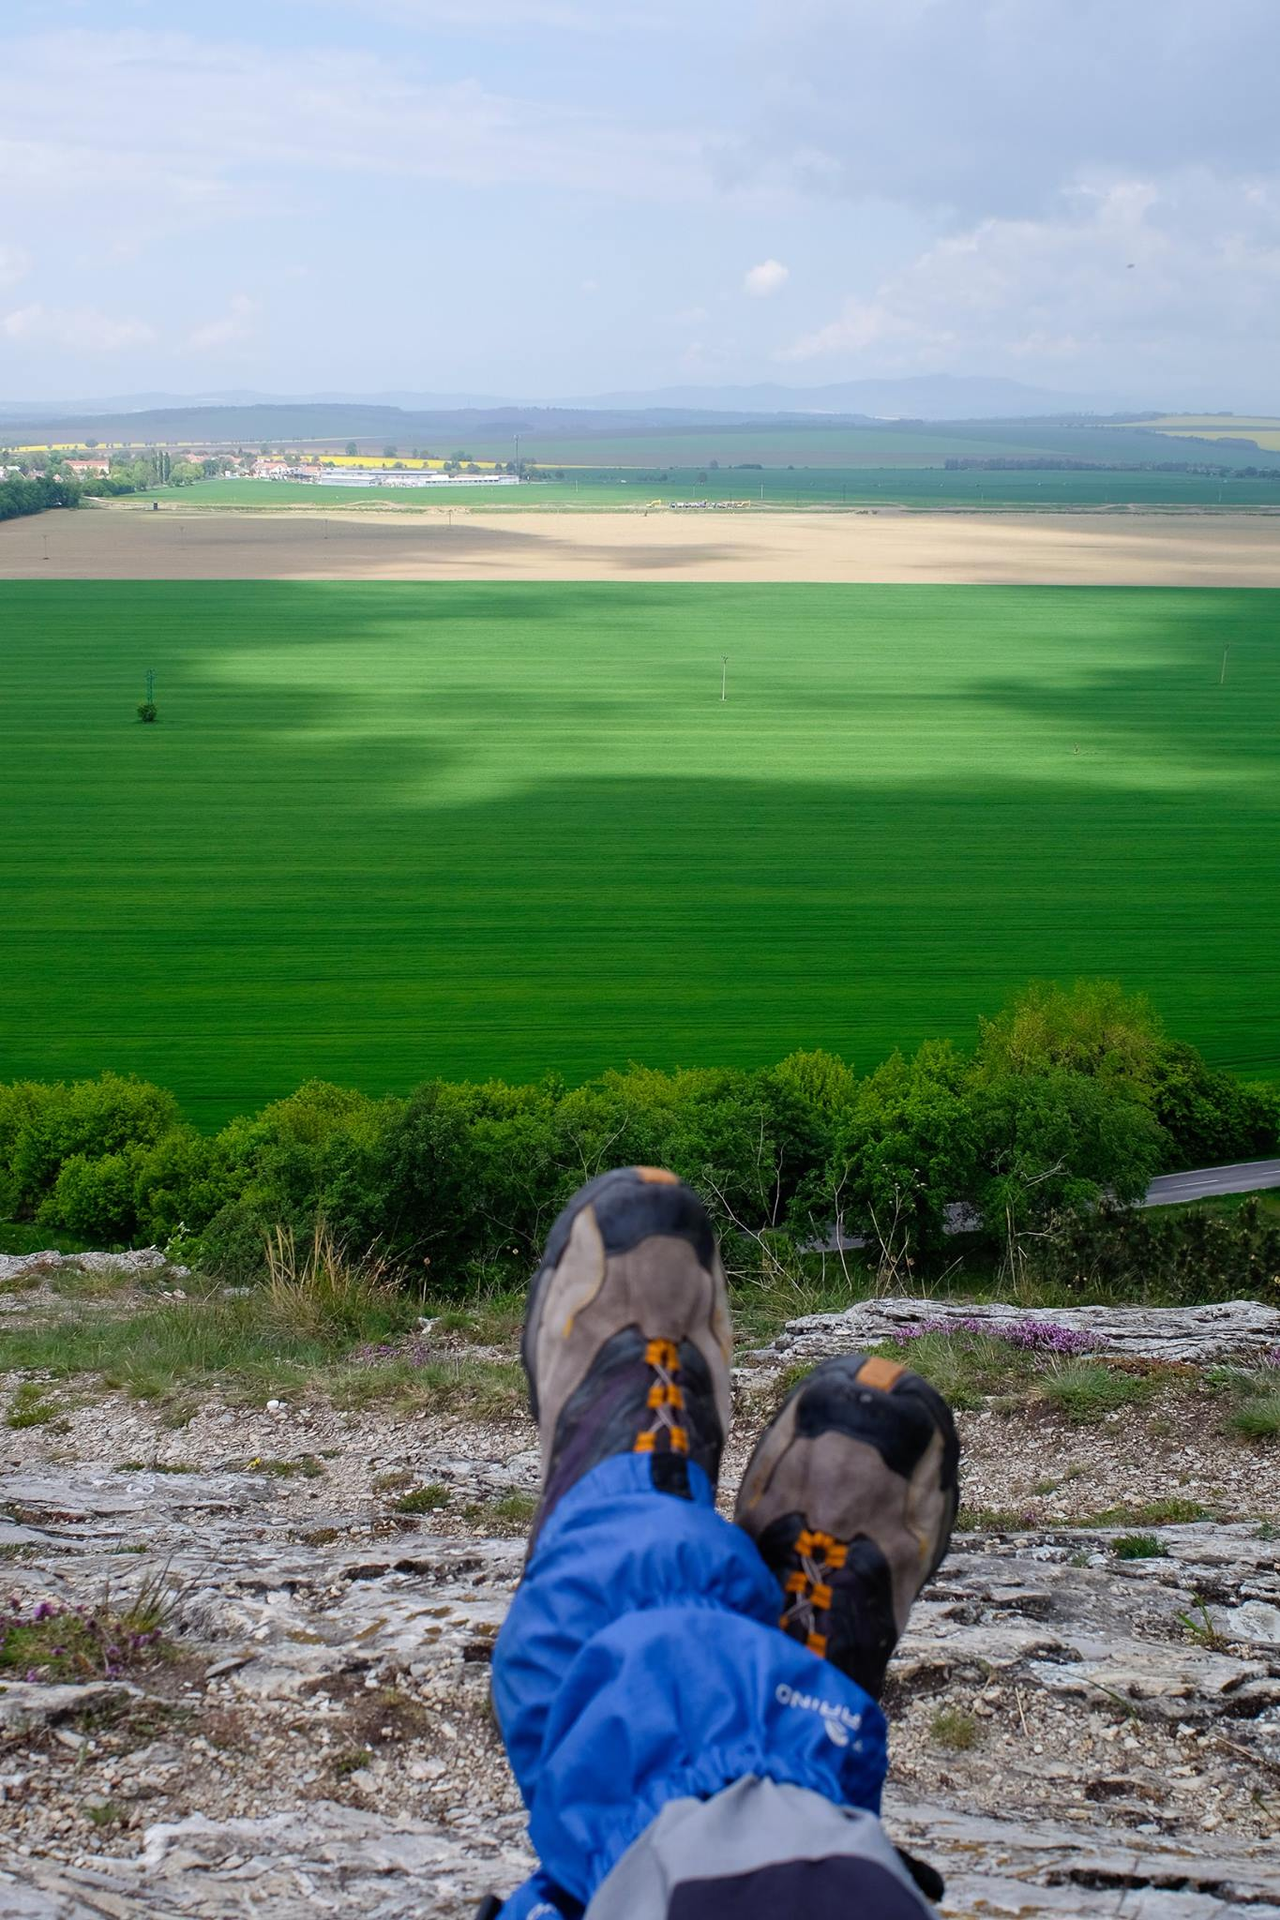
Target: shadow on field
130, 544
383, 833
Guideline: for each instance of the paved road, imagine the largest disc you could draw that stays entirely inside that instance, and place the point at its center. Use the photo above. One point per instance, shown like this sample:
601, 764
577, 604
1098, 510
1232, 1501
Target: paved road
1247, 1176
1166, 1190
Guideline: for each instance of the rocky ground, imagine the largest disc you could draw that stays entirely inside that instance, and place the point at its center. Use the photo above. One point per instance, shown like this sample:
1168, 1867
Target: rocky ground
1073, 1731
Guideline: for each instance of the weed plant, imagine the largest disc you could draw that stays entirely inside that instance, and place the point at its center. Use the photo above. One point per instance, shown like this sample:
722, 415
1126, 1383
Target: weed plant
52, 1641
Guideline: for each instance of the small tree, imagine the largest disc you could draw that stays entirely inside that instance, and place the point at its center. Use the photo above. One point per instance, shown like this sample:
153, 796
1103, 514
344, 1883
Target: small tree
147, 710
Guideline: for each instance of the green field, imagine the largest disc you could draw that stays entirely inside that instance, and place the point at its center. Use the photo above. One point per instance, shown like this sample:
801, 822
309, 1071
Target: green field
384, 831
778, 487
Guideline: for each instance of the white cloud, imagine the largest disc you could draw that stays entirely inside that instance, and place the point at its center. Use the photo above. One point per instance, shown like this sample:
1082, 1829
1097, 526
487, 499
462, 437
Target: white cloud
769, 277
205, 128
993, 106
1126, 279
82, 329
234, 326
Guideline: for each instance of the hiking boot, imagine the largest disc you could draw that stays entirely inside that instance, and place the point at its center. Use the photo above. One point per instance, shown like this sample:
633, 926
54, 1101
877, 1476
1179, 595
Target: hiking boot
626, 1344
851, 1496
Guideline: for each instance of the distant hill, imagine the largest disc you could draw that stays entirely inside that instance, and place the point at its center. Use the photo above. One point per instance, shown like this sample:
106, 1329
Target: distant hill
926, 397
939, 396
302, 420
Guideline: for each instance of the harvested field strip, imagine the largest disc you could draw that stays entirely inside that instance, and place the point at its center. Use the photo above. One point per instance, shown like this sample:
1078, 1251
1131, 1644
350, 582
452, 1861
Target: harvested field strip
388, 831
125, 542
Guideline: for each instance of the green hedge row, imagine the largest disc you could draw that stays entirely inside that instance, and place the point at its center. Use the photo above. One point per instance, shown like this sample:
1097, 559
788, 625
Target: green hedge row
1067, 1096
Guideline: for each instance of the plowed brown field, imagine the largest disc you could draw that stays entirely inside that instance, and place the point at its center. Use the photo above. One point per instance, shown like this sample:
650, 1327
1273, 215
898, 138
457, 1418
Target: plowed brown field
1086, 549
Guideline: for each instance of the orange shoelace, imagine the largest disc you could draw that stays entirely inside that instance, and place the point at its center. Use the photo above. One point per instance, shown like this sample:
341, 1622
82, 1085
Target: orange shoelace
665, 1401
819, 1554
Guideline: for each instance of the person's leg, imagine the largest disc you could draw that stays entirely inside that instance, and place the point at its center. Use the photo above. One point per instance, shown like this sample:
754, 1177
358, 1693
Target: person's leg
641, 1663
850, 1497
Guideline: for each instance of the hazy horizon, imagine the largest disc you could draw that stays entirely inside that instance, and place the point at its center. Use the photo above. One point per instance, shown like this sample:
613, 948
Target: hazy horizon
541, 198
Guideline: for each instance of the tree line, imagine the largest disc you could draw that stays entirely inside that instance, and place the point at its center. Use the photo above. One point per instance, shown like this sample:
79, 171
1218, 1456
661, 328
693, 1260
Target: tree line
1066, 463
1071, 1098
48, 483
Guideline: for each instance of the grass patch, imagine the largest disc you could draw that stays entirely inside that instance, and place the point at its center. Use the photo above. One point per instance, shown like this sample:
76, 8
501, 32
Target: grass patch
1257, 1419
996, 1520
304, 1467
431, 1499
954, 1729
1088, 1390
398, 1480
21, 1237
302, 715
155, 1466
509, 1514
1143, 1514
1198, 1625
966, 1368
486, 1389
762, 1303
48, 1641
1139, 1546
321, 1291
1171, 1512
492, 1321
101, 1283
103, 1813
350, 1760
245, 1347
30, 1408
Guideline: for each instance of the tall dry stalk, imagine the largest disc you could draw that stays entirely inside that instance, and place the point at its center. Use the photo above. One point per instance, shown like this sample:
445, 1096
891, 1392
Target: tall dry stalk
323, 1289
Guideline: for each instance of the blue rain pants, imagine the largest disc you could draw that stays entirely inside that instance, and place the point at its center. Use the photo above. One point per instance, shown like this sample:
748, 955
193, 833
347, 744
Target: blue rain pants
641, 1662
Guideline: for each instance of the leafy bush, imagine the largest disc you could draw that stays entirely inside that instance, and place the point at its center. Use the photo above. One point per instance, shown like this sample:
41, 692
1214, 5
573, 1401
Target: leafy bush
93, 1198
1071, 1101
1194, 1254
148, 712
44, 1126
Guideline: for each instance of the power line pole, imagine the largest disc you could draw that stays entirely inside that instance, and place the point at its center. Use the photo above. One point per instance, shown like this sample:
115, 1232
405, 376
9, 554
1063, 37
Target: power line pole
1222, 677
724, 676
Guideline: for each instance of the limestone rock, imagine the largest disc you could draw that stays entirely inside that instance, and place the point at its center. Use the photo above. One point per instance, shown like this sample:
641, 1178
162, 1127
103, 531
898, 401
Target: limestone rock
1232, 1329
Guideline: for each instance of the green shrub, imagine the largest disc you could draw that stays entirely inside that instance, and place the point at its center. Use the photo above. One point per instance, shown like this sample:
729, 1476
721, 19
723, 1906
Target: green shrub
423, 1500
93, 1198
457, 1184
1193, 1254
42, 1127
1139, 1546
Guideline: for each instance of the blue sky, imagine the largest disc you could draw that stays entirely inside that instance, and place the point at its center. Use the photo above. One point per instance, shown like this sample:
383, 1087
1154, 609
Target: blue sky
555, 197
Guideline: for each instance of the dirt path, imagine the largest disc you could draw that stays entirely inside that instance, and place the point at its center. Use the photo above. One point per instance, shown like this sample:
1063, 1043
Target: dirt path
1069, 549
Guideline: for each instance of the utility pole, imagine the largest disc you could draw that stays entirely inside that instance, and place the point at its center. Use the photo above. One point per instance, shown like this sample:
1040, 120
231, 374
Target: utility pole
1222, 677
724, 676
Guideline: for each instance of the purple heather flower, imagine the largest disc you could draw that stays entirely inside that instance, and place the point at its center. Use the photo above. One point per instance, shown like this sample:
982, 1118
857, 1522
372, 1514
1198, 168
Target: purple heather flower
1031, 1335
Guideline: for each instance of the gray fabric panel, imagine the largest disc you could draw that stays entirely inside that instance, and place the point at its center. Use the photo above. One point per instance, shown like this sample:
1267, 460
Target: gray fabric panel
750, 1824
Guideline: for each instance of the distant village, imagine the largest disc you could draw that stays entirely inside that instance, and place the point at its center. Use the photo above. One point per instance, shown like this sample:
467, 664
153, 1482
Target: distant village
388, 473
35, 477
